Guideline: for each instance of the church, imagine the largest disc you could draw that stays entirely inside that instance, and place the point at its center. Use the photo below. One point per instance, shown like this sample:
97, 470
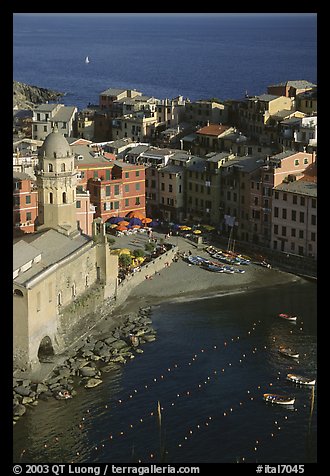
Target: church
59, 274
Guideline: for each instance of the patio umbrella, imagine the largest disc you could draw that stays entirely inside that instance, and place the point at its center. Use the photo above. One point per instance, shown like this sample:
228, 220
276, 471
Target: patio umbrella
135, 214
123, 223
197, 232
115, 219
154, 223
146, 220
121, 228
135, 221
136, 226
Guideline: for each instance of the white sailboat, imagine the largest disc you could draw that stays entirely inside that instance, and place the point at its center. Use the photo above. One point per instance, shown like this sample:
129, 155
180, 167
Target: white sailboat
86, 60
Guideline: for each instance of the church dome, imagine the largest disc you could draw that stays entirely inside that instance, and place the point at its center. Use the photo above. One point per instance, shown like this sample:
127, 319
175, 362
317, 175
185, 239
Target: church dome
55, 146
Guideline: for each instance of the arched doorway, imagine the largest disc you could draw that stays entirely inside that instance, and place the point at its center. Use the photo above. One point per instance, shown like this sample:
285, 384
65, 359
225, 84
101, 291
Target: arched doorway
46, 351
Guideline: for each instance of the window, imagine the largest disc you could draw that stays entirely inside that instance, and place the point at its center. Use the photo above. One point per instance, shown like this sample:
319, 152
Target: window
28, 216
64, 197
62, 167
126, 188
296, 161
107, 191
78, 204
283, 230
293, 232
126, 174
162, 186
293, 215
313, 203
294, 199
137, 201
126, 202
170, 188
276, 229
284, 213
285, 196
50, 167
108, 174
301, 234
50, 292
28, 199
313, 219
302, 201
302, 217
38, 301
137, 173
116, 189
137, 186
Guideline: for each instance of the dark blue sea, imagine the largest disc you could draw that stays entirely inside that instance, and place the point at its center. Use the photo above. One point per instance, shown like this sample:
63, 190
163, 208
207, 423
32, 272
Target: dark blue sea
194, 55
213, 359
208, 368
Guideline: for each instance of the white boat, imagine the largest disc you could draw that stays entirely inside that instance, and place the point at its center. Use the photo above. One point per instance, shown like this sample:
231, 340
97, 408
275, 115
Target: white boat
87, 60
300, 379
287, 317
279, 399
288, 352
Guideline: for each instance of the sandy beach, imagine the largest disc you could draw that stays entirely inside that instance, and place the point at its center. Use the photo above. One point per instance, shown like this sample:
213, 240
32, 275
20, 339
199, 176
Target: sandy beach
182, 281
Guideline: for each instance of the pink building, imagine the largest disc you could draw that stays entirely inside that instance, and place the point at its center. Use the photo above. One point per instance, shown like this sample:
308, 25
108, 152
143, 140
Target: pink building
84, 211
294, 209
283, 167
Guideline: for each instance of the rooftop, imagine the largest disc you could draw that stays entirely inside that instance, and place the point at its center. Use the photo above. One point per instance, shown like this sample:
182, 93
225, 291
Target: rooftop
53, 247
212, 130
302, 187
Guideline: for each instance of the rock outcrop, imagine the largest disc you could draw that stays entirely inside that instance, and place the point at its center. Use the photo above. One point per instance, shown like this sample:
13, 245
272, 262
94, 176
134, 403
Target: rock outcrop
29, 97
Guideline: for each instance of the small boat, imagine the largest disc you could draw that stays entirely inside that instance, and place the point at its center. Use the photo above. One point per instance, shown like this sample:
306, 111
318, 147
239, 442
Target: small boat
65, 395
87, 60
287, 352
134, 340
279, 399
287, 317
300, 379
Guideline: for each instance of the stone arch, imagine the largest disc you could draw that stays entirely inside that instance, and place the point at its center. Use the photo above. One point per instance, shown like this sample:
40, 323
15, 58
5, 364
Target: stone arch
45, 350
18, 292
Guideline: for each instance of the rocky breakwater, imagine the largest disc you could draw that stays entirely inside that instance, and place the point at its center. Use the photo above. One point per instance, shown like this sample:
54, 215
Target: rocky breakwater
86, 363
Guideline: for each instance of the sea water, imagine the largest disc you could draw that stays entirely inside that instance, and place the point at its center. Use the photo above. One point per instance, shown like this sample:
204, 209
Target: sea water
204, 377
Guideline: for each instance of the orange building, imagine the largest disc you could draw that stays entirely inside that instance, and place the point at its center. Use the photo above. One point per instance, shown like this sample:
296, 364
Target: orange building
118, 193
25, 203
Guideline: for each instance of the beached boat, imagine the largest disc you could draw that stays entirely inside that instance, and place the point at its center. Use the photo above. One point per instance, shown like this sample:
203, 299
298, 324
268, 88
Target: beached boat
63, 395
213, 268
300, 379
287, 352
279, 399
287, 317
198, 260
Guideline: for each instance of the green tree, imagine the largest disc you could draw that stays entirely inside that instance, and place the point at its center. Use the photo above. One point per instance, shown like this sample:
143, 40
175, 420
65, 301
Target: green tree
125, 260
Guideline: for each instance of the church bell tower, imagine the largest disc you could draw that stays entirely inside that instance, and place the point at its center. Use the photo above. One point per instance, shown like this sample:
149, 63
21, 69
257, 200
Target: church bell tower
56, 181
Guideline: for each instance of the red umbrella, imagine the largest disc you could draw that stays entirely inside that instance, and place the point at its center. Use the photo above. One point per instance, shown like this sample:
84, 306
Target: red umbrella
135, 214
121, 228
146, 220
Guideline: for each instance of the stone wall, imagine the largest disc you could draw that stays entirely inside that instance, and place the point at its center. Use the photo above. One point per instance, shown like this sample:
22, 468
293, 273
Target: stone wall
129, 283
88, 309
